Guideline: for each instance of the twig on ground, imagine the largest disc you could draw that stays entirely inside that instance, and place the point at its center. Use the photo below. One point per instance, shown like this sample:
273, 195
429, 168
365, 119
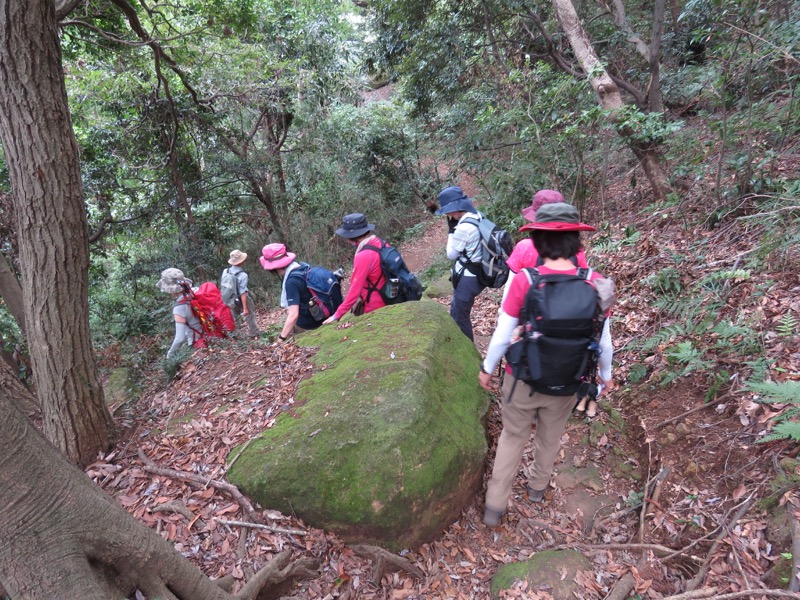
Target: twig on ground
691, 412
271, 528
234, 492
709, 594
794, 584
704, 568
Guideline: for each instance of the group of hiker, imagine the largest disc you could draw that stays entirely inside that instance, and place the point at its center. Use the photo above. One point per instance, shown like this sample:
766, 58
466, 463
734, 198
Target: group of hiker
552, 327
311, 295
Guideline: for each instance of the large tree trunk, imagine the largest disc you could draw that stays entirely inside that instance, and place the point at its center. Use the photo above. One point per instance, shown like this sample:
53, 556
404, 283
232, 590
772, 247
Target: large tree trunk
608, 94
62, 537
42, 156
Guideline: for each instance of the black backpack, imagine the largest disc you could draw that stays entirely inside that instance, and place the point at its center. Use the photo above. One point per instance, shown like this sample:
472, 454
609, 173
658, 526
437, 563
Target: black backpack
496, 247
561, 325
401, 284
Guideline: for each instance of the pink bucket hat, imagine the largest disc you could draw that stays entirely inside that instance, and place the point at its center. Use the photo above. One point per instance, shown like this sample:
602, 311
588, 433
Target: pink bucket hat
541, 198
275, 256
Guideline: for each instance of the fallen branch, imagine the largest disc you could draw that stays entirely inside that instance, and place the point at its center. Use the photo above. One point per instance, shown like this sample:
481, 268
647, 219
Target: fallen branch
690, 412
656, 549
149, 467
385, 561
709, 594
271, 528
794, 584
703, 571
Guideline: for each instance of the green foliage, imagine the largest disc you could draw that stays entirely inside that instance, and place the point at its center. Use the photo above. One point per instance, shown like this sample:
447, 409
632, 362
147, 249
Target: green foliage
647, 128
666, 282
786, 425
787, 326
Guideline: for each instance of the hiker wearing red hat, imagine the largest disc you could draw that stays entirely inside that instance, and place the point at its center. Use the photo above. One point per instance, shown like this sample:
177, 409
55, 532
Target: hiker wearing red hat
525, 254
545, 384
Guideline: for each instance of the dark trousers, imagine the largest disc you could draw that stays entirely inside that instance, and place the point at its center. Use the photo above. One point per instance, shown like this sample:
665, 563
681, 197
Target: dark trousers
467, 288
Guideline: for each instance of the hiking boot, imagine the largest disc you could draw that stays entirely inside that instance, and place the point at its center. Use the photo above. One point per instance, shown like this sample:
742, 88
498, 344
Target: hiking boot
491, 518
535, 495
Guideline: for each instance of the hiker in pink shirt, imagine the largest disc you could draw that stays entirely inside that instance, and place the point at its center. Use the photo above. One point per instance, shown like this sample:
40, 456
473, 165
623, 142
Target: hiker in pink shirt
363, 295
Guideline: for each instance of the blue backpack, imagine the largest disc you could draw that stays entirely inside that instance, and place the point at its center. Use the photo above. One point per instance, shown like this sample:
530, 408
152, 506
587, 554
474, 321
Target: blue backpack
401, 284
325, 288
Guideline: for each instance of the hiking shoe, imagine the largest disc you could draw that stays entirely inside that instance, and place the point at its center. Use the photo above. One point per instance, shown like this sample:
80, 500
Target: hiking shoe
491, 518
535, 495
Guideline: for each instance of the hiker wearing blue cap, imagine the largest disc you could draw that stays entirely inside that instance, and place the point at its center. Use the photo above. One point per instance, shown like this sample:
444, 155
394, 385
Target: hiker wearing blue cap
463, 247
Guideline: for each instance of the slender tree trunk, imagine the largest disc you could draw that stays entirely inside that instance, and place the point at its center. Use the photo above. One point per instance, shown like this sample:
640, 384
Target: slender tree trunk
608, 94
654, 85
42, 156
11, 291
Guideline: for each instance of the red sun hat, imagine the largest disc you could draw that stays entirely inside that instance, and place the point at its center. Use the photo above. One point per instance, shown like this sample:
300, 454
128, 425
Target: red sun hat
558, 216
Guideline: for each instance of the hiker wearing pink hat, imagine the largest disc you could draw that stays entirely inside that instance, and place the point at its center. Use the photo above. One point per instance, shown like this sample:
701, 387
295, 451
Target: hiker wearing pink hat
309, 294
564, 340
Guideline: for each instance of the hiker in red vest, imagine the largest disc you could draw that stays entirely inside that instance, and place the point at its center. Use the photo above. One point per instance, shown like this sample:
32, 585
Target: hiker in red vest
555, 235
367, 278
188, 330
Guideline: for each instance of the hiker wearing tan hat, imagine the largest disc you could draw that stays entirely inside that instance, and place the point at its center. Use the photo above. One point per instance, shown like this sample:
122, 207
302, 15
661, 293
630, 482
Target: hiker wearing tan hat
188, 330
235, 293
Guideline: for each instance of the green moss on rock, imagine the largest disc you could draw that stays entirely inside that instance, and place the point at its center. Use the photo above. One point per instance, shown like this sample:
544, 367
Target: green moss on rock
553, 570
387, 443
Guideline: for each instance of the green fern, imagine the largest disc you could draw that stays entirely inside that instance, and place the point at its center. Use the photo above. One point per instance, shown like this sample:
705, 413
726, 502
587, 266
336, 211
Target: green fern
787, 326
783, 392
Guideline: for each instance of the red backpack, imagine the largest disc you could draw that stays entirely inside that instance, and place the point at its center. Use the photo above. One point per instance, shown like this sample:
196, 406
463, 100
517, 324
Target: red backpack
207, 305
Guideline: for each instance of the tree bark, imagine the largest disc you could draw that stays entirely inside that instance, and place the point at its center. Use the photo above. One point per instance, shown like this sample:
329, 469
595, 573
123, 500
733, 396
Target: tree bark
654, 85
42, 156
608, 95
11, 291
62, 537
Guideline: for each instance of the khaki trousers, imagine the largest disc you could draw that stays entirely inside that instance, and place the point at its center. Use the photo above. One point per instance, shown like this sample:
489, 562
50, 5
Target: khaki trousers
250, 319
551, 414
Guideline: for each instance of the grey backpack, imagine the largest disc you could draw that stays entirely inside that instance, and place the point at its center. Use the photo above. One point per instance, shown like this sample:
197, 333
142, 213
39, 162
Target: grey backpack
229, 287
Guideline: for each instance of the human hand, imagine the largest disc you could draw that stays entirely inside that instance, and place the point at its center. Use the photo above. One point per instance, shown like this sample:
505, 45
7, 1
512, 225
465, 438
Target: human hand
485, 380
329, 320
608, 386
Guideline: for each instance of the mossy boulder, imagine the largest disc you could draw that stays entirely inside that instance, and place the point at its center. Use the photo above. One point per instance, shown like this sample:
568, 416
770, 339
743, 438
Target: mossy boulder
552, 570
387, 442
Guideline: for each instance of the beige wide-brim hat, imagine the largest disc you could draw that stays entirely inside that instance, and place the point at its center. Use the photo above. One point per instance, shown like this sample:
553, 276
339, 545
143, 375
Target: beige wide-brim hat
171, 279
237, 257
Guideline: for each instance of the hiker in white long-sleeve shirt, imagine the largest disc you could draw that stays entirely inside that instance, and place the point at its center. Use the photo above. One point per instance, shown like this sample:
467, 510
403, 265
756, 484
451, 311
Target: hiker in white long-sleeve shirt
463, 247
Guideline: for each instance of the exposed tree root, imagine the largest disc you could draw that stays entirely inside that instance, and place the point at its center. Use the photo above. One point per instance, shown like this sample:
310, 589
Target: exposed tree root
150, 467
385, 561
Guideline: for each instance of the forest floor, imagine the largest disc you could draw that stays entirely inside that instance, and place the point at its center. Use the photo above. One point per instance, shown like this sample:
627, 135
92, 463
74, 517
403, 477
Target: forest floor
706, 508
